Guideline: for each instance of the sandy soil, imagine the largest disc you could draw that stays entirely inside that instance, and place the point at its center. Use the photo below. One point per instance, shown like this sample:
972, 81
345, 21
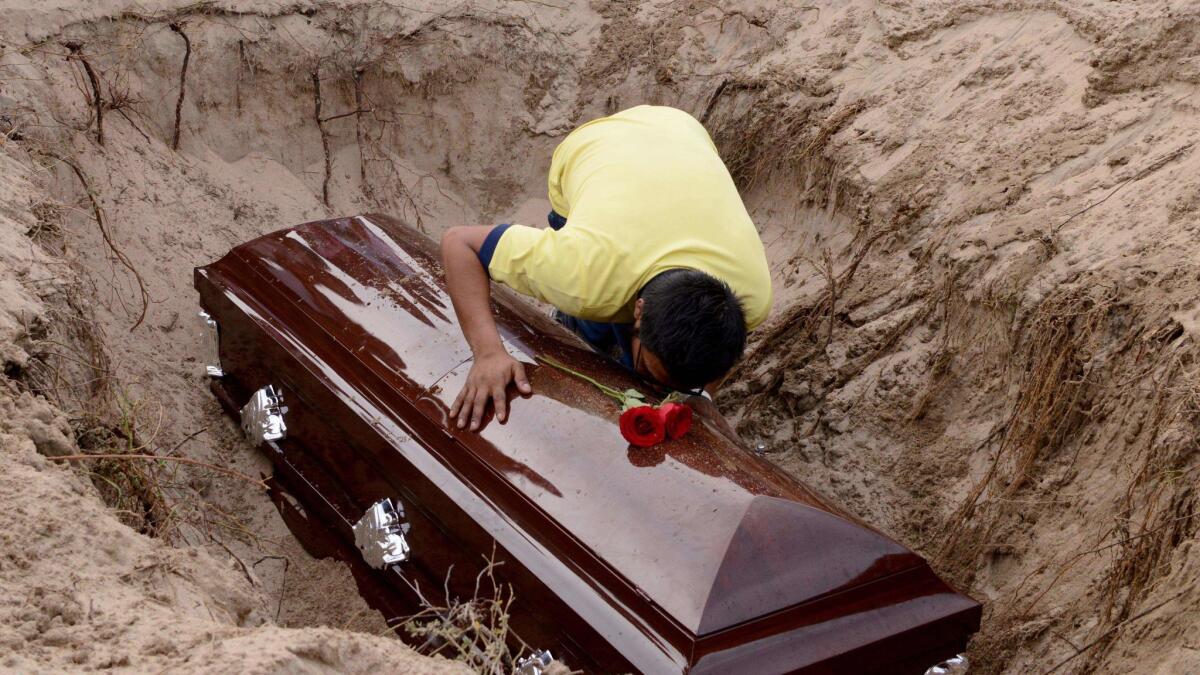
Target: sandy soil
981, 218
80, 589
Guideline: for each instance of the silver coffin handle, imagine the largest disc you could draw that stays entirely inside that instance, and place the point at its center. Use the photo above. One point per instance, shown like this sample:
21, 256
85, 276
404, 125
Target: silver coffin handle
534, 664
262, 416
212, 345
952, 666
379, 534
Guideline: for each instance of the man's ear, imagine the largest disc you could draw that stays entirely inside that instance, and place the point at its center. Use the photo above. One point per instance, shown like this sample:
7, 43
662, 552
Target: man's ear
637, 309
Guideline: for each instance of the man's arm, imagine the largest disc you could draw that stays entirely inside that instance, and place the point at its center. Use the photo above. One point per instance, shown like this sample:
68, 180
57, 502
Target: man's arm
493, 368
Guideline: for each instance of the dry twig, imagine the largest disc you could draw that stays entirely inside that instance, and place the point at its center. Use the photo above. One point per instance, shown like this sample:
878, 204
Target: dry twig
1108, 633
1151, 168
475, 630
182, 460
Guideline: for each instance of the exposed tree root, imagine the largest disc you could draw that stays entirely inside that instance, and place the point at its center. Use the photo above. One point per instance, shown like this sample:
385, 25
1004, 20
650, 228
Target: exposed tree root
1108, 634
317, 103
187, 56
1052, 396
801, 321
237, 85
97, 101
360, 133
100, 221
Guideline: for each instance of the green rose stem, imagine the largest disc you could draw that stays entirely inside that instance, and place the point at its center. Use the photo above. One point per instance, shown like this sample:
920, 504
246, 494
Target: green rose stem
619, 396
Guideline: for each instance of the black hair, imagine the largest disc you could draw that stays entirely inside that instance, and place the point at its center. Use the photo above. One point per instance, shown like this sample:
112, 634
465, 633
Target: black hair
694, 324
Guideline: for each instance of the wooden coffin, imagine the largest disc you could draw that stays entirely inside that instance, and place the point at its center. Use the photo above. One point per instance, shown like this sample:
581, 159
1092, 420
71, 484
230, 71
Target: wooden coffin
693, 556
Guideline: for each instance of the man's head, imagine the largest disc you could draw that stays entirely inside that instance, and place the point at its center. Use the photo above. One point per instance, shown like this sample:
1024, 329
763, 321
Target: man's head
690, 329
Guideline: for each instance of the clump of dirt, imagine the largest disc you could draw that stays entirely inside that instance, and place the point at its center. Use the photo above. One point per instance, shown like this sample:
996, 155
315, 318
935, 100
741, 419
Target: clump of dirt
981, 219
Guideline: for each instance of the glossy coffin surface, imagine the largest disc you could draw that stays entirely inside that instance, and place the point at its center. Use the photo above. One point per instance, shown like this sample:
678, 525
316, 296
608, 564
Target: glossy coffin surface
695, 555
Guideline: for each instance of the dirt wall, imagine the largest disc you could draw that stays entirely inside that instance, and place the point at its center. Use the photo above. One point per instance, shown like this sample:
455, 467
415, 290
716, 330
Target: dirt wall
79, 588
980, 218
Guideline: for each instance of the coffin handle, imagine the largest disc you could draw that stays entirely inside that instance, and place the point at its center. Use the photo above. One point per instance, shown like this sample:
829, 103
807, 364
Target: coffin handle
955, 666
534, 664
379, 534
212, 345
262, 416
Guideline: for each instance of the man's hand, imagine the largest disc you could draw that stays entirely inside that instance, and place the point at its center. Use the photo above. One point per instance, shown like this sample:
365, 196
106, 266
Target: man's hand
468, 285
488, 379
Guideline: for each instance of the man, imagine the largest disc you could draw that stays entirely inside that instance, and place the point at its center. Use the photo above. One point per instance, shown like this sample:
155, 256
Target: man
650, 257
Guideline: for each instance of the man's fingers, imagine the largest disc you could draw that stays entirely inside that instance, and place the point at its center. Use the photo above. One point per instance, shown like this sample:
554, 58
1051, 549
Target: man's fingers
464, 405
520, 378
481, 398
457, 405
487, 381
501, 403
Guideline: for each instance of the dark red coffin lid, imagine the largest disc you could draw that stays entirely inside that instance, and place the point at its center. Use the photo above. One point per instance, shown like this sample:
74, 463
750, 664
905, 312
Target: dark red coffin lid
706, 531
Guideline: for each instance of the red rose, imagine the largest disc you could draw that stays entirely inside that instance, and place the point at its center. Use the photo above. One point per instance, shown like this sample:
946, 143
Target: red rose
677, 418
643, 426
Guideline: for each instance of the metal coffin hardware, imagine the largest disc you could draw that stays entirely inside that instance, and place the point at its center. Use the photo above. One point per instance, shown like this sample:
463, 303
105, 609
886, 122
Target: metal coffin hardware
262, 416
959, 665
379, 534
212, 353
534, 664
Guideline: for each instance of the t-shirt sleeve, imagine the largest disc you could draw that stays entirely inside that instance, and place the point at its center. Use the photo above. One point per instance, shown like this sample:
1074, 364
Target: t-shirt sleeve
557, 175
565, 268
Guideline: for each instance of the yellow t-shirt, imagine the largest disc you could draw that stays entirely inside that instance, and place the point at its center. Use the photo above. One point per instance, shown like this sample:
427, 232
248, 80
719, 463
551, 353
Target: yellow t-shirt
643, 191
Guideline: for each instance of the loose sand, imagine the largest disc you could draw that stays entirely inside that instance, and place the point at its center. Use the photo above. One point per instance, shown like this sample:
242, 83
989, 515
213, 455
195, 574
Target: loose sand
981, 217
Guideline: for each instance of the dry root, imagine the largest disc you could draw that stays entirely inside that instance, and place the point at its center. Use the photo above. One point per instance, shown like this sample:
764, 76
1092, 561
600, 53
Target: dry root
1052, 398
97, 100
1077, 341
187, 56
98, 213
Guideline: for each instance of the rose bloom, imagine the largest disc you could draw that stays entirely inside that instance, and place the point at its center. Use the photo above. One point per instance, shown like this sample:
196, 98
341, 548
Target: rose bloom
677, 418
643, 426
